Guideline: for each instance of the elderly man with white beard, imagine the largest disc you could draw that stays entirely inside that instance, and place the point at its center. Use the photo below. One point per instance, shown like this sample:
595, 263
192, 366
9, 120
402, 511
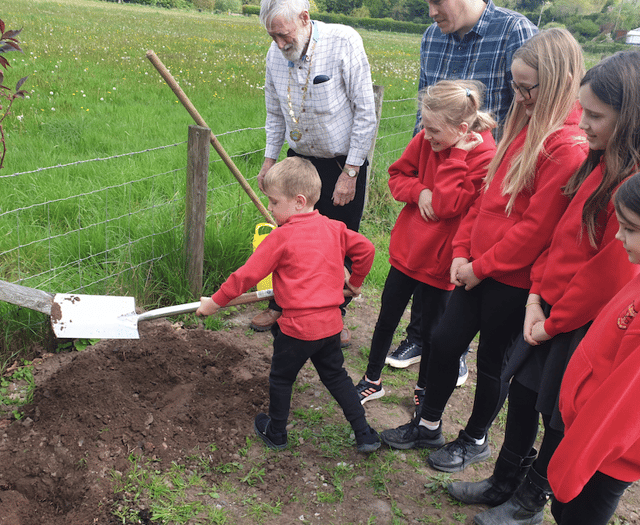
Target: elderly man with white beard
319, 98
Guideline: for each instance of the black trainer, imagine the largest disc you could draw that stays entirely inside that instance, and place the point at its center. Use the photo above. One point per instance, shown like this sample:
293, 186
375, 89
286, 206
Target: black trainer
459, 454
368, 390
368, 441
413, 435
405, 355
262, 428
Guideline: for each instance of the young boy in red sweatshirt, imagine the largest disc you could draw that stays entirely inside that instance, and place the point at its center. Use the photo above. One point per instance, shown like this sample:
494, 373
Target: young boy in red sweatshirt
306, 255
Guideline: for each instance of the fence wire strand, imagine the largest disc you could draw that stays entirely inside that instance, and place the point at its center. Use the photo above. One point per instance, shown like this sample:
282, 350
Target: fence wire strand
104, 255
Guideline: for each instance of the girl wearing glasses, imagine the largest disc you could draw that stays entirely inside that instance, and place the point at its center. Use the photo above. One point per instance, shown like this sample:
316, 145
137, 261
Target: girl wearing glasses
582, 270
504, 232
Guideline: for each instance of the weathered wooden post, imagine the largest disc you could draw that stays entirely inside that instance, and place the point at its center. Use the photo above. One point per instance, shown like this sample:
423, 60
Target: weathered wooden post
196, 205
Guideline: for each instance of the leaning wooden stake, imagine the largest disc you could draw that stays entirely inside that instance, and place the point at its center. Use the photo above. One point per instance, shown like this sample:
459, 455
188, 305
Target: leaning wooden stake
166, 75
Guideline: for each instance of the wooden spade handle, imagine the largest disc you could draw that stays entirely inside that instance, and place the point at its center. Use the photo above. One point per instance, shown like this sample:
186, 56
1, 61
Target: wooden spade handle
168, 78
245, 298
31, 298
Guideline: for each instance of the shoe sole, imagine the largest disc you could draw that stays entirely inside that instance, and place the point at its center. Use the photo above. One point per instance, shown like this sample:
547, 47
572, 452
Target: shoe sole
462, 379
377, 395
459, 468
267, 441
488, 518
367, 448
415, 444
259, 328
401, 363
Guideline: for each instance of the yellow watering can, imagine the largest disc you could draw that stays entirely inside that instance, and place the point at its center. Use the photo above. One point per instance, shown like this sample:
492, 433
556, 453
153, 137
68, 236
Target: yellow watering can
265, 284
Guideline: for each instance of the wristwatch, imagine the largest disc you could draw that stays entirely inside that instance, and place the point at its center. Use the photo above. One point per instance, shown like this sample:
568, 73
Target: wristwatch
351, 172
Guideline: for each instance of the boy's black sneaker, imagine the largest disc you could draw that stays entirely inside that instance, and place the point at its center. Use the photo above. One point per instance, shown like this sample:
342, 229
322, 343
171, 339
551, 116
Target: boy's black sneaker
262, 428
413, 435
368, 441
458, 454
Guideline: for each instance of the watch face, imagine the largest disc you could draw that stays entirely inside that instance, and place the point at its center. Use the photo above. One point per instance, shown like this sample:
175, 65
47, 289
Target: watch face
351, 172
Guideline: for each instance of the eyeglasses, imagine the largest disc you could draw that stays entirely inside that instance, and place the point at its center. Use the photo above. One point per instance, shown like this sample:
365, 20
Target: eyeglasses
525, 92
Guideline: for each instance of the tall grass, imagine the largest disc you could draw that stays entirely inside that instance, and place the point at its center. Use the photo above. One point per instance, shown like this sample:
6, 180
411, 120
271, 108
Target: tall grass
92, 93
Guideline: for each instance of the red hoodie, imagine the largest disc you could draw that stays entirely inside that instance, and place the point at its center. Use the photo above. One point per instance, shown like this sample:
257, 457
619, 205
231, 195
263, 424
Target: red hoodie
422, 249
574, 277
504, 247
599, 401
306, 255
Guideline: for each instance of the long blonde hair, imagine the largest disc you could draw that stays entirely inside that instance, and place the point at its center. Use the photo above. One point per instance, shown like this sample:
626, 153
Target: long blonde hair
557, 58
458, 101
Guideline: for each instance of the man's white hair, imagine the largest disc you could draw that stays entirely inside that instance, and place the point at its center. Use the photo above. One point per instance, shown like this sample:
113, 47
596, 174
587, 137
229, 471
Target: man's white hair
288, 9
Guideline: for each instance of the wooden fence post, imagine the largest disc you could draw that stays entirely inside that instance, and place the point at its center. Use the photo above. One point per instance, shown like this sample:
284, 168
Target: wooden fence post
196, 205
378, 95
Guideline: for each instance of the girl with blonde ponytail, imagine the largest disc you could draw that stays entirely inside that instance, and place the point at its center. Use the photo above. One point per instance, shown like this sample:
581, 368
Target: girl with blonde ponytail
437, 177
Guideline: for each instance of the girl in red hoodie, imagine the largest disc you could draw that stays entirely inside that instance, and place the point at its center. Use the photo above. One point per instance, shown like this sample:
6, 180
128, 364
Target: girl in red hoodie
438, 177
582, 270
599, 455
505, 231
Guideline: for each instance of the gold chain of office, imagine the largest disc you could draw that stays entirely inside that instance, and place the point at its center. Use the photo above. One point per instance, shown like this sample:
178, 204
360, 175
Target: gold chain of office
296, 133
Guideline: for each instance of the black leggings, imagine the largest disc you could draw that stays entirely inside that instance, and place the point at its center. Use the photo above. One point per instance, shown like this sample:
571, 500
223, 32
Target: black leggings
494, 309
522, 427
594, 505
398, 289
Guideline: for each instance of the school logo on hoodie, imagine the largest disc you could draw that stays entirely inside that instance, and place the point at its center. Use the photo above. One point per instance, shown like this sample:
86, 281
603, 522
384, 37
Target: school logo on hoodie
627, 315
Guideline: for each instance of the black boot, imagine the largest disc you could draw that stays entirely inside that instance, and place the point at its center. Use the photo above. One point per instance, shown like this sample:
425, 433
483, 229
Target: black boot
525, 507
507, 476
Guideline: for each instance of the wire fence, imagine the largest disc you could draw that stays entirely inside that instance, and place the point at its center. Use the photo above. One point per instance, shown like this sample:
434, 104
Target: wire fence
103, 222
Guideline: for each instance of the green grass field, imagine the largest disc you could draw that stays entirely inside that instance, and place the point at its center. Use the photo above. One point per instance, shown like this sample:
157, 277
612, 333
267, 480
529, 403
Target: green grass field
115, 226
93, 94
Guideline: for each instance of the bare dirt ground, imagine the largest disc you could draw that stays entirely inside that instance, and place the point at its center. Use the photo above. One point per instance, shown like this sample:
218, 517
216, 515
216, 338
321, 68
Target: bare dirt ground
166, 398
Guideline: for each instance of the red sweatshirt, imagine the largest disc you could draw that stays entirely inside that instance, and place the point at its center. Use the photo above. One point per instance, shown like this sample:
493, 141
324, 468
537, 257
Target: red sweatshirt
422, 249
306, 256
599, 401
574, 277
504, 247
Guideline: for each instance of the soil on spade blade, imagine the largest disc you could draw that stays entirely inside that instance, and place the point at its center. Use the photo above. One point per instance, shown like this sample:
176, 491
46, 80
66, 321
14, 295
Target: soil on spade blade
175, 391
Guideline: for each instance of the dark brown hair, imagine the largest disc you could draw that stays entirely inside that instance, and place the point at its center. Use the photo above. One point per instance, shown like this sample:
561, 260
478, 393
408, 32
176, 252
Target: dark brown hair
615, 82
